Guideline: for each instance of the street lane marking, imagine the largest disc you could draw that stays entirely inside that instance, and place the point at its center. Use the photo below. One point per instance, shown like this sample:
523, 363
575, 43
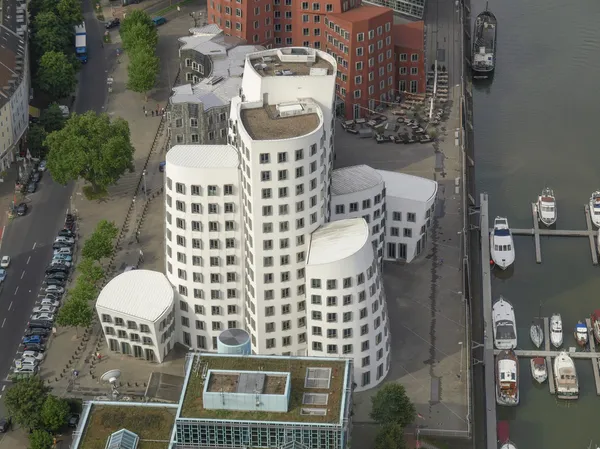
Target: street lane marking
28, 259
3, 387
22, 274
3, 321
16, 289
10, 305
34, 243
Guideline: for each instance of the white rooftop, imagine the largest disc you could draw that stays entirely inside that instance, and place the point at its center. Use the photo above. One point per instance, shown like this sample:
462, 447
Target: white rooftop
408, 187
203, 156
354, 179
141, 293
337, 240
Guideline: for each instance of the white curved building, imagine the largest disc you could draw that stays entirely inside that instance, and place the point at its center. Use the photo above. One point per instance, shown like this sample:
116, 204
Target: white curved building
136, 312
283, 125
346, 305
359, 191
410, 204
203, 241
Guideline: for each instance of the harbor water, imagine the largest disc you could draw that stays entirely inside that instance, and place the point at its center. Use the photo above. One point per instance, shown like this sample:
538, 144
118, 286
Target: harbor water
537, 124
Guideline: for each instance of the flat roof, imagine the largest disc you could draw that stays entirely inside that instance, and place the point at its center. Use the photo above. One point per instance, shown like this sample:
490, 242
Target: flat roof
361, 13
246, 382
141, 293
354, 179
297, 367
410, 35
149, 423
273, 64
261, 126
409, 187
337, 240
203, 156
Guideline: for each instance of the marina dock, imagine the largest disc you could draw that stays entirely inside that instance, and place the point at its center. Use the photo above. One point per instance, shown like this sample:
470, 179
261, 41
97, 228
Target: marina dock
588, 322
549, 366
536, 232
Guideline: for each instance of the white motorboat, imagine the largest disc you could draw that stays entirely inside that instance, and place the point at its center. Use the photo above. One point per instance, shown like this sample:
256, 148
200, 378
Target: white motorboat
556, 331
505, 328
546, 207
581, 334
508, 445
567, 384
539, 370
502, 248
537, 334
595, 208
507, 378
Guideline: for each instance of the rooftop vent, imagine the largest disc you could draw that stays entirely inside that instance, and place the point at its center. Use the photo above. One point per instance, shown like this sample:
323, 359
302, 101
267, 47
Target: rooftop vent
315, 398
122, 439
317, 378
313, 411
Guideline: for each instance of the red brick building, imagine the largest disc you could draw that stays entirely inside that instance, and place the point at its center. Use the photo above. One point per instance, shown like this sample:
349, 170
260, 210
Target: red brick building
409, 57
362, 38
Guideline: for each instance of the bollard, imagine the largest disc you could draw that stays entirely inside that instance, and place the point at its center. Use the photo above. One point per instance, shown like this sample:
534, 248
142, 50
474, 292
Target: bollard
61, 375
56, 379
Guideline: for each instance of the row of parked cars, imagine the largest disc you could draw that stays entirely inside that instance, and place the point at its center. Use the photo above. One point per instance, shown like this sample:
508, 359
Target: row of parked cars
41, 323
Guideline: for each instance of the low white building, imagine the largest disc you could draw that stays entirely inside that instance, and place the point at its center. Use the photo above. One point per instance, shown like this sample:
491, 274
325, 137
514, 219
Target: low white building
136, 312
346, 307
410, 203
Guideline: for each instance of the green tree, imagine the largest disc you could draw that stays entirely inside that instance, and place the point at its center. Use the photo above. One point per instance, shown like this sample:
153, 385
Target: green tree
24, 401
391, 405
107, 229
134, 17
390, 436
97, 247
56, 75
52, 118
90, 271
83, 290
70, 12
40, 439
139, 36
75, 313
35, 141
50, 34
54, 413
91, 147
142, 71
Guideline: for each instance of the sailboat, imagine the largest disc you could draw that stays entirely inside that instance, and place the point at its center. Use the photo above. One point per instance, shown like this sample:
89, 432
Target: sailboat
556, 333
537, 334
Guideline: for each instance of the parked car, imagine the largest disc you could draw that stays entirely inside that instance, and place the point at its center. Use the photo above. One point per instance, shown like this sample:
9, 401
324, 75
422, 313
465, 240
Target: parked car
69, 240
33, 339
64, 257
2, 275
5, 424
60, 275
52, 297
39, 356
41, 331
34, 347
65, 250
26, 370
65, 233
34, 324
5, 261
44, 309
22, 209
57, 282
59, 245
43, 165
28, 362
60, 263
36, 177
31, 187
159, 21
54, 289
112, 23
50, 303
42, 317
57, 269
73, 420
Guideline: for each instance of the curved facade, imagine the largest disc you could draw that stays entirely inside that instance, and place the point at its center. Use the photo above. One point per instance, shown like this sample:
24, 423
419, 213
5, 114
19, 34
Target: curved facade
359, 191
203, 241
283, 128
346, 305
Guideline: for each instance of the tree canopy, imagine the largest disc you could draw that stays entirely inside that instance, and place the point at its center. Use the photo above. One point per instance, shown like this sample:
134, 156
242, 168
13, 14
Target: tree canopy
90, 271
391, 405
139, 35
390, 436
100, 244
56, 74
55, 412
35, 141
70, 12
50, 33
142, 71
83, 290
40, 439
75, 313
25, 400
134, 17
52, 118
91, 147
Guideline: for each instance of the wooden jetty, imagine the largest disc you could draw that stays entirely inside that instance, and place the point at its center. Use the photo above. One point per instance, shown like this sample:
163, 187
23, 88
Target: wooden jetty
588, 322
536, 232
549, 366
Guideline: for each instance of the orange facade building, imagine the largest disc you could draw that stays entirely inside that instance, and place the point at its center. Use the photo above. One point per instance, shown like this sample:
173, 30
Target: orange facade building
411, 70
360, 37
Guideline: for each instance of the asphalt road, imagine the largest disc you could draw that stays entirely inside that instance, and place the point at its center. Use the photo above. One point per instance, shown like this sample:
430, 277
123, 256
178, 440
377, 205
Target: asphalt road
28, 240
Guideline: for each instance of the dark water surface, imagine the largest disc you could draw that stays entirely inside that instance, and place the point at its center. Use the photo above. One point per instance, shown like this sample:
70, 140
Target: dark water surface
538, 124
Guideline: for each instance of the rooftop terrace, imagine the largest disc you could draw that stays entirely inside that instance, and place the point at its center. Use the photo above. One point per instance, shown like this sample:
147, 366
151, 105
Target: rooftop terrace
265, 124
278, 65
149, 423
322, 390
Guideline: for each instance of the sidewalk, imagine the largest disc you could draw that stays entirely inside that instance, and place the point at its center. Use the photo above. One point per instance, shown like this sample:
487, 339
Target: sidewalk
68, 350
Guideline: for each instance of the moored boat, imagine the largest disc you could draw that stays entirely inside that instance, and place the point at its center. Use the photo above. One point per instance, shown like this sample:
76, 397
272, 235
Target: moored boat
581, 334
505, 328
539, 371
507, 378
556, 332
546, 207
537, 334
484, 45
565, 374
508, 445
595, 319
595, 208
502, 247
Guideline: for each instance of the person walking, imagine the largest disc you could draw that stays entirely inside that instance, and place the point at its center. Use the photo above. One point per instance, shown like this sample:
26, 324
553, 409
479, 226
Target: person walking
145, 112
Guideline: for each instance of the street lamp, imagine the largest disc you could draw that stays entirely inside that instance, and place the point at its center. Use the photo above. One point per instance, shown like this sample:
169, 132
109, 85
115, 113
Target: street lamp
460, 343
134, 208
